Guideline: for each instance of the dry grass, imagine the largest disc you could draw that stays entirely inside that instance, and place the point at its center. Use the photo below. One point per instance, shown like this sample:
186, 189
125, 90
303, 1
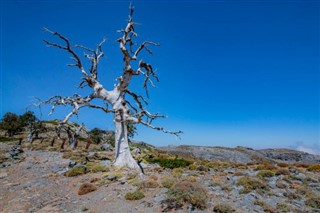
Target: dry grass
250, 184
168, 182
314, 168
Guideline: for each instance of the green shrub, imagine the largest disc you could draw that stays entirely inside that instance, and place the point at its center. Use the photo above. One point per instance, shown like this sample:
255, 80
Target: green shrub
223, 208
188, 192
136, 195
77, 170
314, 168
249, 184
266, 173
170, 163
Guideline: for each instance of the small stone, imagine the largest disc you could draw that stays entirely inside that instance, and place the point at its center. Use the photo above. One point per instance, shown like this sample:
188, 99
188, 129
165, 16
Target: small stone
123, 180
3, 175
106, 147
106, 162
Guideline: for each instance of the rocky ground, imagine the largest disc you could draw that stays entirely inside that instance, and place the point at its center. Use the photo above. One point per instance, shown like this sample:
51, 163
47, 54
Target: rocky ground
40, 181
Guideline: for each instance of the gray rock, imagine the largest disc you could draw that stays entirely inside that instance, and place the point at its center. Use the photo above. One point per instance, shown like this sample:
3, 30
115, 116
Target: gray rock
106, 147
3, 175
159, 198
72, 164
136, 151
123, 180
111, 177
106, 162
272, 182
301, 175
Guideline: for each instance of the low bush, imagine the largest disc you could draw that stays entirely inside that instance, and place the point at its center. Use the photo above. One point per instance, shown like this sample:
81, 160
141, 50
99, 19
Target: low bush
170, 163
148, 184
77, 170
265, 173
96, 167
168, 182
190, 193
250, 184
218, 166
177, 172
282, 172
86, 188
136, 195
283, 165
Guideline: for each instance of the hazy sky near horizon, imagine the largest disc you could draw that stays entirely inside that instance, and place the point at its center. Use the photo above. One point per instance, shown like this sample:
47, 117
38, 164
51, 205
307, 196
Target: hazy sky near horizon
232, 73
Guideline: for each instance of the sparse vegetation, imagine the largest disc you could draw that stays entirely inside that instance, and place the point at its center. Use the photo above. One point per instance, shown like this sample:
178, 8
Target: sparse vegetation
136, 195
265, 207
282, 208
313, 202
6, 139
265, 166
223, 208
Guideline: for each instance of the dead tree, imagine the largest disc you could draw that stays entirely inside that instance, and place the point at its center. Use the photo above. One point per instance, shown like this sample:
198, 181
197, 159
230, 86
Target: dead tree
72, 132
126, 105
63, 143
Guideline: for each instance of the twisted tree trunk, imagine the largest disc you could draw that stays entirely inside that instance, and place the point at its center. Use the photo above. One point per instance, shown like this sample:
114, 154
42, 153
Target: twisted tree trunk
123, 155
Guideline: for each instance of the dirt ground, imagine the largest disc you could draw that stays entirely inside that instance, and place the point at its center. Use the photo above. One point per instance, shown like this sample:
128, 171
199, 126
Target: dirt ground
34, 186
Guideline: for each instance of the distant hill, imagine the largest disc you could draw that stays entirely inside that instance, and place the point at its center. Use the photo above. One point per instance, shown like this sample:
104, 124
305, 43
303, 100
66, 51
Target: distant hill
242, 154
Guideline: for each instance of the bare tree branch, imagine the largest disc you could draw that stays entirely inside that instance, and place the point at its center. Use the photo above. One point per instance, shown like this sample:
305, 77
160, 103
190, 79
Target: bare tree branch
67, 48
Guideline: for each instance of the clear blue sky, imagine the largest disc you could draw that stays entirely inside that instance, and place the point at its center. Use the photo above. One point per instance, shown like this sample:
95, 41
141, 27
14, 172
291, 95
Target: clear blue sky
231, 72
